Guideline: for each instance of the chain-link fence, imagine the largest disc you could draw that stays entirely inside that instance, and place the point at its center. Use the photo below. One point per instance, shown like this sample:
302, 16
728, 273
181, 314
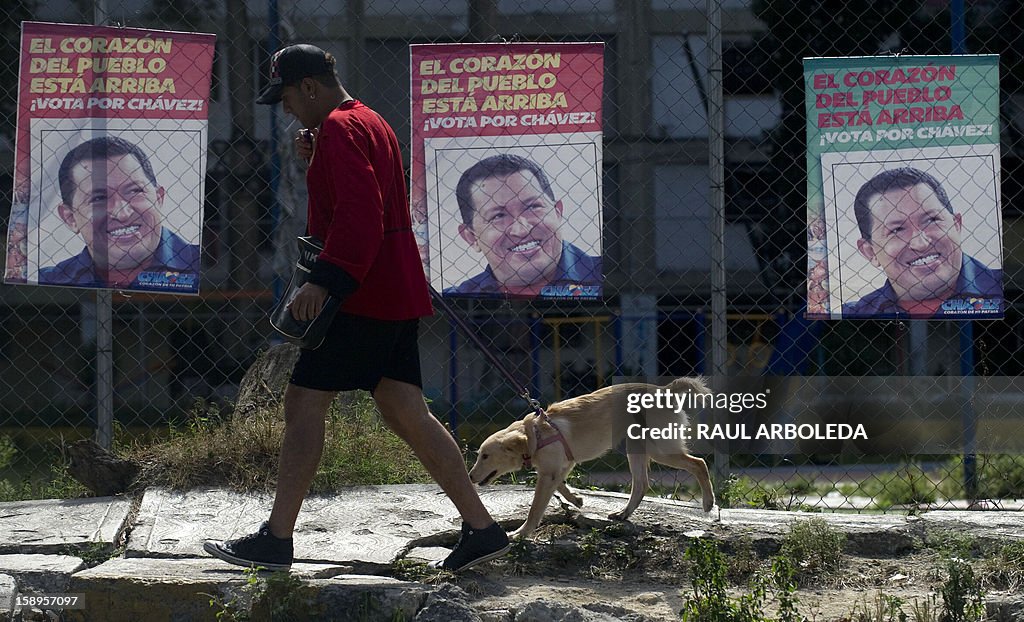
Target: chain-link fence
674, 303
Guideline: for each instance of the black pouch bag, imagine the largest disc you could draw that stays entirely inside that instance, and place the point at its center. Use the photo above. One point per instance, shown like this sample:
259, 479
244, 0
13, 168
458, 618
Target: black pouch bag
308, 334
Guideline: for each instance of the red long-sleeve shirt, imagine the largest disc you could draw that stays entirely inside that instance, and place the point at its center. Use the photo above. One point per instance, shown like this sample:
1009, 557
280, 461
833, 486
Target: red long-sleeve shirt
359, 207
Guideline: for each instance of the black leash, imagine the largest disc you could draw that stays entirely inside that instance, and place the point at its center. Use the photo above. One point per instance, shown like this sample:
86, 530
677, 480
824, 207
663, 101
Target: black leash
520, 388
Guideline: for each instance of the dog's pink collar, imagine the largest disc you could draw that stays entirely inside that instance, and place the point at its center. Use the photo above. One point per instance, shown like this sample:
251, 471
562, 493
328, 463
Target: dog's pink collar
557, 438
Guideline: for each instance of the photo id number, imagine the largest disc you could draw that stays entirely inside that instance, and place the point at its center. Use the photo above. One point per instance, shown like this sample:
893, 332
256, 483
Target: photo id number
49, 601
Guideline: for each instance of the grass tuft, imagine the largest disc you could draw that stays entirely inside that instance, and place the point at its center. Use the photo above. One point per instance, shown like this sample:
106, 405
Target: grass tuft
909, 486
814, 548
52, 482
242, 453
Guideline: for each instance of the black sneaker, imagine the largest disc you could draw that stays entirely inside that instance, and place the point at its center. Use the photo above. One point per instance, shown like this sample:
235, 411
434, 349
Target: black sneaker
475, 546
262, 549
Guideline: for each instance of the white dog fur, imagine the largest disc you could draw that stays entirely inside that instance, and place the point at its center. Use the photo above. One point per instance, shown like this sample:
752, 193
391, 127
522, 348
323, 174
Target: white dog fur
587, 423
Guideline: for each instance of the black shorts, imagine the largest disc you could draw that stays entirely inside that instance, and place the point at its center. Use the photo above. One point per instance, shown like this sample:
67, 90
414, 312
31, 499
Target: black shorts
358, 352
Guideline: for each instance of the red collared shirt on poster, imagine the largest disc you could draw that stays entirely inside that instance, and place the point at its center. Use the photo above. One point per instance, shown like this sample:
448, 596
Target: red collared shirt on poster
359, 207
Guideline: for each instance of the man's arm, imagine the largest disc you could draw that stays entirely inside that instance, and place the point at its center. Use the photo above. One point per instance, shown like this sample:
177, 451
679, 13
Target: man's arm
356, 230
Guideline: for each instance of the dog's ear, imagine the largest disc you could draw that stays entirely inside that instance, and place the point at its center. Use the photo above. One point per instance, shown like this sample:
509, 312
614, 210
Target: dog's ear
515, 442
531, 434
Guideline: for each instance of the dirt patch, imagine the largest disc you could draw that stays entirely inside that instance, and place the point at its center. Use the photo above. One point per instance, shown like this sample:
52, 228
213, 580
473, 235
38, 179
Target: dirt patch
628, 572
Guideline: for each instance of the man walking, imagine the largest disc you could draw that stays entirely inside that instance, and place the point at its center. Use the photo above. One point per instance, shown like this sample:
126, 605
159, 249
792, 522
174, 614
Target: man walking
359, 208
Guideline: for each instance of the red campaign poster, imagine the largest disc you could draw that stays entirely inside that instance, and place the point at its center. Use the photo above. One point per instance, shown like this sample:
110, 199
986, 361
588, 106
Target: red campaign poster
506, 168
110, 158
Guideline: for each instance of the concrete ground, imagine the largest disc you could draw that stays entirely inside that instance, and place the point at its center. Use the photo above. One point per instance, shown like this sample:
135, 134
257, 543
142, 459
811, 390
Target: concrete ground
144, 560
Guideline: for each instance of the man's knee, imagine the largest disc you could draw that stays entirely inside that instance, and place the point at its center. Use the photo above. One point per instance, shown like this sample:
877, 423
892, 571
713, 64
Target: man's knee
302, 404
399, 400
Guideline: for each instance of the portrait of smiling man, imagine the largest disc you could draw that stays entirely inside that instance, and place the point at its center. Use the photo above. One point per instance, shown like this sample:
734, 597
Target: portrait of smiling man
511, 216
111, 199
910, 230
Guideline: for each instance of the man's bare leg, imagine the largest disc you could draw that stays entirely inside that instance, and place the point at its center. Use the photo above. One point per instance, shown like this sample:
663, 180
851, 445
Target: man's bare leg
403, 409
303, 444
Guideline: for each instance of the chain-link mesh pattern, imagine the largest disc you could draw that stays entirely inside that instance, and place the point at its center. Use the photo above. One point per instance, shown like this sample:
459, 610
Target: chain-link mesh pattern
655, 319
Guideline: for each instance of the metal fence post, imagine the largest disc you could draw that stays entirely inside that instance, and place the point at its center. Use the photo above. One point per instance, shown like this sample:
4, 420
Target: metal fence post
453, 376
716, 181
967, 414
104, 330
104, 369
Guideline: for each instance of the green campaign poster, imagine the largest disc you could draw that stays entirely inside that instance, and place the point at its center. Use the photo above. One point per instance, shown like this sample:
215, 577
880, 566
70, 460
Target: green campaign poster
903, 205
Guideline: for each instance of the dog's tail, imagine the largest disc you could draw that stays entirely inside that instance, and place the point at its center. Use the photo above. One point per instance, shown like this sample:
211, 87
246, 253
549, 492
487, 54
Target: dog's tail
689, 385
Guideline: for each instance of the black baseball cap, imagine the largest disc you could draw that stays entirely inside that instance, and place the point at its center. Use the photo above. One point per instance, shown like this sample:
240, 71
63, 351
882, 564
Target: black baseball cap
290, 65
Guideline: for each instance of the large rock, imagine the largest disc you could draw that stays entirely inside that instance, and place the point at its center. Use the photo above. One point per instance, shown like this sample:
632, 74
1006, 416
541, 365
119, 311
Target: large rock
263, 385
8, 592
100, 470
52, 526
360, 597
47, 574
447, 604
157, 590
1005, 608
544, 611
991, 526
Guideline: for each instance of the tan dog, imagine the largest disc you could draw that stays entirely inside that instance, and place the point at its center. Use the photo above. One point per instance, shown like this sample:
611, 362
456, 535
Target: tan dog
585, 428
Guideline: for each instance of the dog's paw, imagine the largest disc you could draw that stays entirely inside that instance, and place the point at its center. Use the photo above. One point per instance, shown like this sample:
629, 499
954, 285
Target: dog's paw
575, 500
709, 504
622, 515
518, 534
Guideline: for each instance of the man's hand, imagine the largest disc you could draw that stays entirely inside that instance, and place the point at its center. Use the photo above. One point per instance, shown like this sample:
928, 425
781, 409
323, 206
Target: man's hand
308, 302
304, 144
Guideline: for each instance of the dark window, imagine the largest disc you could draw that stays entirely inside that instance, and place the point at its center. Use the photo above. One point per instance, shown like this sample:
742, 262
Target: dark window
743, 69
749, 195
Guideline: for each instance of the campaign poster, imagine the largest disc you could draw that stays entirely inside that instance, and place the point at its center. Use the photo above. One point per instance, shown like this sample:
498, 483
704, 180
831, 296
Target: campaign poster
904, 216
110, 158
507, 168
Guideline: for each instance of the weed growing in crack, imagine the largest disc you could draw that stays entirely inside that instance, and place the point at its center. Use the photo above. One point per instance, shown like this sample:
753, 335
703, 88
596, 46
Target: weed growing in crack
93, 553
275, 596
519, 557
409, 570
235, 605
